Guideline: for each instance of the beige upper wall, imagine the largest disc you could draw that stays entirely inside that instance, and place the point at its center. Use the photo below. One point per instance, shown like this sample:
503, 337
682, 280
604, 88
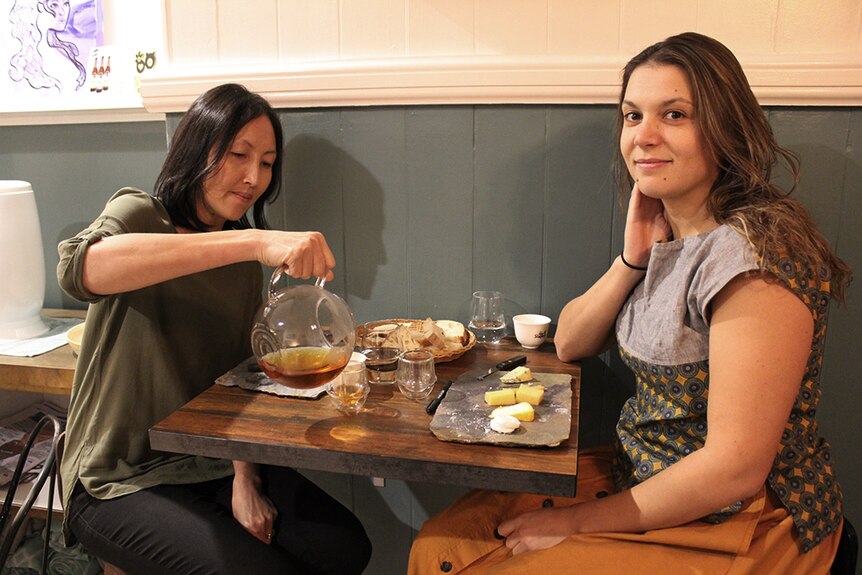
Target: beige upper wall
363, 52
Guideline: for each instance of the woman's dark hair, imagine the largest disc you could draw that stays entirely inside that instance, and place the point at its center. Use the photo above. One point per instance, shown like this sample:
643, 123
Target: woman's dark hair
738, 136
199, 145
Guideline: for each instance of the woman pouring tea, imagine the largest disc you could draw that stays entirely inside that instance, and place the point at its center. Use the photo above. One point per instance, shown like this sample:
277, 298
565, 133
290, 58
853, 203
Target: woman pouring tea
173, 281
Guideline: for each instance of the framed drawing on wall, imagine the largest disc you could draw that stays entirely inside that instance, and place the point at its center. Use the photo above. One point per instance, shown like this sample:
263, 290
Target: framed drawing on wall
74, 55
54, 39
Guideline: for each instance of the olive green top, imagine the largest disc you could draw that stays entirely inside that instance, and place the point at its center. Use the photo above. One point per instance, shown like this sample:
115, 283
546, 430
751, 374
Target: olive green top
144, 354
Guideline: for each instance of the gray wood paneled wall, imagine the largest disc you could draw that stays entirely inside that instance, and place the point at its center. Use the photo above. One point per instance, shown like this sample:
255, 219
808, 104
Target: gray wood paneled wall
423, 205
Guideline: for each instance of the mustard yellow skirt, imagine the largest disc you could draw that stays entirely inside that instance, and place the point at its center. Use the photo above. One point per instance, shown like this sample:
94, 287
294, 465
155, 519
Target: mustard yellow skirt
756, 541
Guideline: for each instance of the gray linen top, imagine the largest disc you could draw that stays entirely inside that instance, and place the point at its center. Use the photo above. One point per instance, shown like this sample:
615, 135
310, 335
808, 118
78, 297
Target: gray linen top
666, 318
663, 336
144, 354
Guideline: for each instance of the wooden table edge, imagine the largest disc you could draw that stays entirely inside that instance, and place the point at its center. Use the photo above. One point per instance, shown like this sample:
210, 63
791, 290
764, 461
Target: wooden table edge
369, 465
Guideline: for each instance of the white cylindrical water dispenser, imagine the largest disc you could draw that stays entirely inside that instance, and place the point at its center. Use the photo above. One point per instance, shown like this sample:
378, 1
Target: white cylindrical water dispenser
22, 263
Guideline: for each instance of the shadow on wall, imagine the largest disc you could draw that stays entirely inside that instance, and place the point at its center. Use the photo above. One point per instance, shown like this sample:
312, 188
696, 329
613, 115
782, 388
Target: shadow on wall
326, 189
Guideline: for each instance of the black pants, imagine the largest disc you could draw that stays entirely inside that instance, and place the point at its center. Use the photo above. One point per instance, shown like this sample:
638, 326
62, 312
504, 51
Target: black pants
190, 529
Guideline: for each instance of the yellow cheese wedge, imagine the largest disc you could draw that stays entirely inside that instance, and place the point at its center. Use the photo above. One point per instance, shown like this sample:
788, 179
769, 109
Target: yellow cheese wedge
518, 375
532, 394
522, 411
500, 397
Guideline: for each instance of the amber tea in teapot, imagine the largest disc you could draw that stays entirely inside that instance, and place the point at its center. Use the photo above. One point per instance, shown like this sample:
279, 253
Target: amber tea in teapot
302, 336
304, 367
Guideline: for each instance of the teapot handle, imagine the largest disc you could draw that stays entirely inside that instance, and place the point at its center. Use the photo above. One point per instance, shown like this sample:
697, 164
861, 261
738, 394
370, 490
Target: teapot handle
276, 276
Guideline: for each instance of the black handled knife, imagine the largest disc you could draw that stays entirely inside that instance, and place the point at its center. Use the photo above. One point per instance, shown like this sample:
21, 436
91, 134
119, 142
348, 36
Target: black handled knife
505, 365
432, 407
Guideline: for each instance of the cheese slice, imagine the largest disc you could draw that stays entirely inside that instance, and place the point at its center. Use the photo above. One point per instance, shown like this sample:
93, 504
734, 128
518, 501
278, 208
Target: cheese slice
532, 394
517, 375
522, 411
500, 397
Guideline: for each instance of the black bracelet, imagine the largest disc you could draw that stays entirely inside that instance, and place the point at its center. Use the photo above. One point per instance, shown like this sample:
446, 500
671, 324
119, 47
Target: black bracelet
628, 265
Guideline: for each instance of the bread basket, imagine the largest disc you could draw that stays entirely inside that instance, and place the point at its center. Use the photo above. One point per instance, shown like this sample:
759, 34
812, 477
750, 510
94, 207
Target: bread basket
440, 356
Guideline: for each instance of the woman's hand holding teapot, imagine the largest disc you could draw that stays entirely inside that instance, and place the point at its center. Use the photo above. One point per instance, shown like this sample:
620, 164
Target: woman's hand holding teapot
302, 254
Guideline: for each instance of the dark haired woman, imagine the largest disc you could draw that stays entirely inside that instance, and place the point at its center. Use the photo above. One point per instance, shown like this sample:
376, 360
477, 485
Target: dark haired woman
173, 283
718, 305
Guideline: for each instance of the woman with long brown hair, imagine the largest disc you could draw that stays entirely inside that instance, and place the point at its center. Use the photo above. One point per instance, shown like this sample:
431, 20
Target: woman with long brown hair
718, 303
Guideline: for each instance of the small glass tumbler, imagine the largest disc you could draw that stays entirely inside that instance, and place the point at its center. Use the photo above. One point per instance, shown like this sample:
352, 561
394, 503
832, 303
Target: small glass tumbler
487, 320
349, 390
381, 356
415, 375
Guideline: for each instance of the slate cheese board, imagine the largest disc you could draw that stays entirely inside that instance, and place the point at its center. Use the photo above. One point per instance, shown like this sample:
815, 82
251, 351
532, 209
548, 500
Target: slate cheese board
463, 415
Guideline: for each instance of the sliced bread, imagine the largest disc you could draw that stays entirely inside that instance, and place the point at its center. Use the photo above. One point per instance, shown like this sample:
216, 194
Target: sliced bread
454, 331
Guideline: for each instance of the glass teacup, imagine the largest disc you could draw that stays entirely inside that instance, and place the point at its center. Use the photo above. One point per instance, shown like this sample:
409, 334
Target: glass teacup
415, 375
381, 356
349, 390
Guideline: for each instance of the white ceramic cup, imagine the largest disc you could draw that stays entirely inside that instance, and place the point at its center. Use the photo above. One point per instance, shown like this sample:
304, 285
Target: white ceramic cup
531, 329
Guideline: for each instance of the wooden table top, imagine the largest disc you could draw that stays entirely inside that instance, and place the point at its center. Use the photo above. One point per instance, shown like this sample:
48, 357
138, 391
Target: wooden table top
390, 439
50, 372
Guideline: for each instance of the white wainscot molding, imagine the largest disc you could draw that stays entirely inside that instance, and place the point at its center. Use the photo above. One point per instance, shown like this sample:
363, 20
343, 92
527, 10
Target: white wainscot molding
787, 81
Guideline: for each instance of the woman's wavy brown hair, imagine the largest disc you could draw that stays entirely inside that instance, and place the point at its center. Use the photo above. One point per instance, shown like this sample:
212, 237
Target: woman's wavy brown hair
739, 137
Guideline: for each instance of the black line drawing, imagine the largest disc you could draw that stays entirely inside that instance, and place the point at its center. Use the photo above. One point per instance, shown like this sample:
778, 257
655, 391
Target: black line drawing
54, 37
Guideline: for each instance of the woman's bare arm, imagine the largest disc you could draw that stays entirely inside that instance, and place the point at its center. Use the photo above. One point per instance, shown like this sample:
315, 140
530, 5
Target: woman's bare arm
760, 340
586, 323
250, 507
128, 262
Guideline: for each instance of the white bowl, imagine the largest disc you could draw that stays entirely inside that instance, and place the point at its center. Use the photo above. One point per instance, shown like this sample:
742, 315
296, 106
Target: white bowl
73, 336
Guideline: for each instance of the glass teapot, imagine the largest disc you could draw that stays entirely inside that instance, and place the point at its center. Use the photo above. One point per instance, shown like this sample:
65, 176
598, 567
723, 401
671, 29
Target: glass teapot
302, 336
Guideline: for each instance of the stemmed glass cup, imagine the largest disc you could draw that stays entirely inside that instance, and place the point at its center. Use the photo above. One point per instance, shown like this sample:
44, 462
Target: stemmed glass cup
487, 320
